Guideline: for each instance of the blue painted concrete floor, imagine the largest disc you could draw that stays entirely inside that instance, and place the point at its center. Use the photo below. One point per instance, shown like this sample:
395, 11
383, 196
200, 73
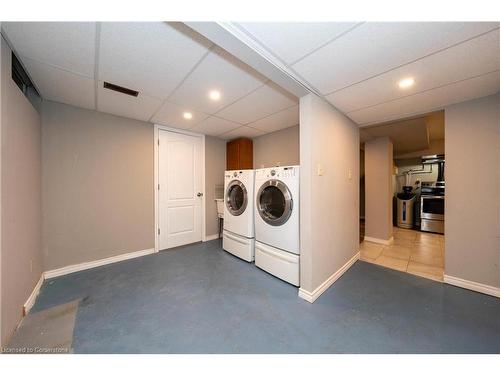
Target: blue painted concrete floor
200, 299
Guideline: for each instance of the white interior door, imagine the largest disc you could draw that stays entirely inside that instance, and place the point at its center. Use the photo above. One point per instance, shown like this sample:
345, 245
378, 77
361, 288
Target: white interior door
180, 189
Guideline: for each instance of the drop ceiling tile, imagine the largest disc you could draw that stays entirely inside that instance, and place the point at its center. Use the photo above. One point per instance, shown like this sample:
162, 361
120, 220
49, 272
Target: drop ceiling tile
477, 56
376, 47
215, 126
242, 131
293, 40
151, 57
172, 115
141, 107
428, 101
280, 120
69, 45
61, 86
263, 102
218, 71
406, 136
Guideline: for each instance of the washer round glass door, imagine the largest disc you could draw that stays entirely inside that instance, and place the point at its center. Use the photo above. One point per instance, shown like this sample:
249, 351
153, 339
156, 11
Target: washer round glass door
236, 198
274, 202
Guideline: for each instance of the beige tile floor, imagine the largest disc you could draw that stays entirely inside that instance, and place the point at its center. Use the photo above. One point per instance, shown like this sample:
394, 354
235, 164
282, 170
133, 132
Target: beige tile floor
415, 252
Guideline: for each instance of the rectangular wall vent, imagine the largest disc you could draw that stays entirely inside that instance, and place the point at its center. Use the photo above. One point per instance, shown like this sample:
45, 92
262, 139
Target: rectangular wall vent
21, 78
121, 89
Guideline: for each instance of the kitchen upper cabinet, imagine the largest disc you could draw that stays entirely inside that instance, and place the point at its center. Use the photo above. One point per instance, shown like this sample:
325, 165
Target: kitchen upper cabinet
239, 154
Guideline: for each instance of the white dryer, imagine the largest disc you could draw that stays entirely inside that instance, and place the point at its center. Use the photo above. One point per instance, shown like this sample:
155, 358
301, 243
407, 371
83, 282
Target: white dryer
239, 228
277, 243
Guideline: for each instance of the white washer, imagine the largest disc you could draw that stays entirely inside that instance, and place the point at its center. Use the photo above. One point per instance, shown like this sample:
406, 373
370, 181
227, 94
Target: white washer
277, 243
239, 229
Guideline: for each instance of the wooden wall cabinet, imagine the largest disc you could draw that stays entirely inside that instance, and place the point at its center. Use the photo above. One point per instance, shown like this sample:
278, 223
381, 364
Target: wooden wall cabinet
239, 154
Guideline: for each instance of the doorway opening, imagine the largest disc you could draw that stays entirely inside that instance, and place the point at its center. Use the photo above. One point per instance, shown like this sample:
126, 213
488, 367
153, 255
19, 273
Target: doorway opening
409, 155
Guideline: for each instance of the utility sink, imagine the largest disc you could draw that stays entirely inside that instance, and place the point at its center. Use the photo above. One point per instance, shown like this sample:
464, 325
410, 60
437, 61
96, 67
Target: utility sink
220, 207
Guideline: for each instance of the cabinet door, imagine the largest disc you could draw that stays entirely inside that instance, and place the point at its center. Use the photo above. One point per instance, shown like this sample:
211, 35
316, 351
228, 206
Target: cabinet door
239, 154
246, 154
232, 156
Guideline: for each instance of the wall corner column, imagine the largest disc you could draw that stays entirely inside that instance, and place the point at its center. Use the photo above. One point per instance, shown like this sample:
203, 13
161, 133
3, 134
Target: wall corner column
378, 190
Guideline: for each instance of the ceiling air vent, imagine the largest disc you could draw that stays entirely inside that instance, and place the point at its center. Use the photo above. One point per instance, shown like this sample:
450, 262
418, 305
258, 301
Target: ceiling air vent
21, 78
123, 90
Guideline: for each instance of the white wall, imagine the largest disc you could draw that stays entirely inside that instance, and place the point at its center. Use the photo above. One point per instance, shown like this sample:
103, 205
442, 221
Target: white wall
472, 211
329, 222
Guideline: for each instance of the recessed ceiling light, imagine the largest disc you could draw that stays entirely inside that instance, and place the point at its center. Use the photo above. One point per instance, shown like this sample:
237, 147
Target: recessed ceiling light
407, 82
187, 115
214, 95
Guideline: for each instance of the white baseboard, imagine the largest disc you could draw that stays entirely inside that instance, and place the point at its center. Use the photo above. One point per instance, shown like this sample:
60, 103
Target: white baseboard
75, 268
472, 285
211, 237
312, 296
390, 241
95, 263
32, 298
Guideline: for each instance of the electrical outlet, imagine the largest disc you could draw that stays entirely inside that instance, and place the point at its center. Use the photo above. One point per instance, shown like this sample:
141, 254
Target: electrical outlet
31, 265
349, 174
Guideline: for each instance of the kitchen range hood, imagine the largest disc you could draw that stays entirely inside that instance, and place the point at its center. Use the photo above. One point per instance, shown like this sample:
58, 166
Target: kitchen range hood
439, 160
433, 159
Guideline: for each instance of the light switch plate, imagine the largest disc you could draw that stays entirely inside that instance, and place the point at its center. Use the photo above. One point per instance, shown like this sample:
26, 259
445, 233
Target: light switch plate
320, 170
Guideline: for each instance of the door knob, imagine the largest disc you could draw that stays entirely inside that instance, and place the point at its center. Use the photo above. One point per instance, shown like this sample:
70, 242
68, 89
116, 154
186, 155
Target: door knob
200, 194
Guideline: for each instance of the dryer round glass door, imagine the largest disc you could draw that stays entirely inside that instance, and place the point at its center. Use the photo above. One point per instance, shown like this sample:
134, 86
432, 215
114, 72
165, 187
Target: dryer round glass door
274, 202
236, 198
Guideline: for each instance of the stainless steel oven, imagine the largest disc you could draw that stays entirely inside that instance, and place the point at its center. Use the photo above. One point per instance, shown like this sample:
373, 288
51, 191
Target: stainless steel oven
432, 208
432, 198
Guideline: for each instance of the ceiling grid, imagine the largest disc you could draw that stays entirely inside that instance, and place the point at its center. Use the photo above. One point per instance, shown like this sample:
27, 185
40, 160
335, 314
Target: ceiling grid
355, 66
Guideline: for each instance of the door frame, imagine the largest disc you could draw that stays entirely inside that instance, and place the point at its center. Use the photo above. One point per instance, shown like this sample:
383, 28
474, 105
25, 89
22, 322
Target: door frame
157, 129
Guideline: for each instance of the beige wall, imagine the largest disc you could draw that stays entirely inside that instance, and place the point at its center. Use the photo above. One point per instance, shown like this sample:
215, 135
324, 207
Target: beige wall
215, 165
472, 211
98, 196
362, 184
21, 258
97, 185
378, 188
278, 148
329, 220
1, 111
